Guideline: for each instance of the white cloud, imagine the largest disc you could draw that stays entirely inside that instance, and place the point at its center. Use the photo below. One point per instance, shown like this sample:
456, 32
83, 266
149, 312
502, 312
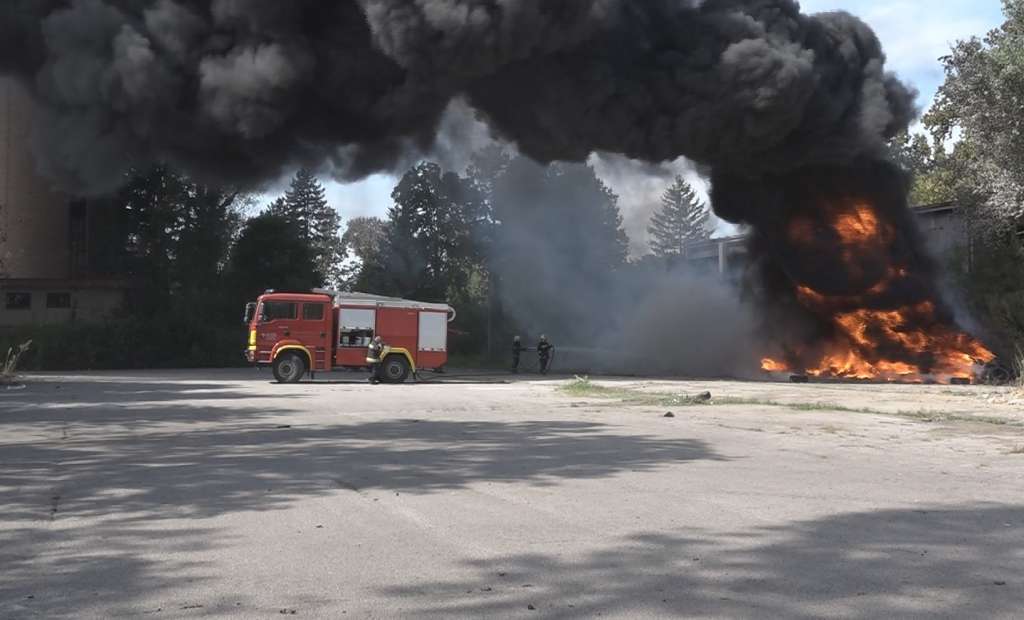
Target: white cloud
916, 33
370, 196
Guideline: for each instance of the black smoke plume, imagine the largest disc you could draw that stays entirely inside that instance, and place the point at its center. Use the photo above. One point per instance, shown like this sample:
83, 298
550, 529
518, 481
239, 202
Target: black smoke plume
241, 90
788, 112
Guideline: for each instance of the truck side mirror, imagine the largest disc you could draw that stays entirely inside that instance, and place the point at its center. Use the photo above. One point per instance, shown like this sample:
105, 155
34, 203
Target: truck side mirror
250, 312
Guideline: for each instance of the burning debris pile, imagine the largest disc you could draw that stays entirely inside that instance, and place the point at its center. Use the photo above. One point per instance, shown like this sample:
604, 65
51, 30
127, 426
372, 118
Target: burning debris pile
858, 295
789, 112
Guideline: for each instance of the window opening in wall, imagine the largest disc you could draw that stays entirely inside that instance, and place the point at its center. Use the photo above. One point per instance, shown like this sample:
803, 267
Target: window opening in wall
58, 300
19, 301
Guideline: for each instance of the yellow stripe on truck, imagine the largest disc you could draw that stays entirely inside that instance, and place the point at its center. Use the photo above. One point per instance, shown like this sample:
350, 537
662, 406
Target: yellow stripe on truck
294, 347
404, 353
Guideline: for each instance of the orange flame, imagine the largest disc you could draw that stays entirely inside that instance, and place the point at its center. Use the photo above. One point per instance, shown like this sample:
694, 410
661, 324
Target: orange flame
863, 348
857, 227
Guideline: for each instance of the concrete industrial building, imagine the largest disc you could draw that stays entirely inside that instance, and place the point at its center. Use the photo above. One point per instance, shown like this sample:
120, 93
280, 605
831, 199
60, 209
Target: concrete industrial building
47, 273
943, 226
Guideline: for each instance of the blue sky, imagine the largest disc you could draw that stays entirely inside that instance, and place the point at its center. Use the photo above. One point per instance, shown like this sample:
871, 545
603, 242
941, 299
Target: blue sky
914, 33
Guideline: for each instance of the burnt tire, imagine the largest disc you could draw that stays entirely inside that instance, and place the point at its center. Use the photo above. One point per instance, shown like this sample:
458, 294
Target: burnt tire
289, 367
996, 374
394, 369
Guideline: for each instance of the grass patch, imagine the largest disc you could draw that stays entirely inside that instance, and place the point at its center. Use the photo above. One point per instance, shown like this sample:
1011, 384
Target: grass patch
816, 406
583, 387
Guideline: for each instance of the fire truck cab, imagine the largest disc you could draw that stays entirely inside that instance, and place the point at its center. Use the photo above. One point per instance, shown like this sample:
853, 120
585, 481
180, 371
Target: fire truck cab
320, 331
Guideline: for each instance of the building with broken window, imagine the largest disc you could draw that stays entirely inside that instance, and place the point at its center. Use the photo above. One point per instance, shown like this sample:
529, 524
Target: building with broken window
49, 268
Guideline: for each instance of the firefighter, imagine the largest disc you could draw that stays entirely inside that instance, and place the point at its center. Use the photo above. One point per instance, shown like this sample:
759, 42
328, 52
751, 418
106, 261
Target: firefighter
544, 350
375, 356
517, 349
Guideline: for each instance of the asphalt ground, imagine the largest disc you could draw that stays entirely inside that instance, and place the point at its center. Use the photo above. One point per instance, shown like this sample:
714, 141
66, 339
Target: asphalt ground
188, 494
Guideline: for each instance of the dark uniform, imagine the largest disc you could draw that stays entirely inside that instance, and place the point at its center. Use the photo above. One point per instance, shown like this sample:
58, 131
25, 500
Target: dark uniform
544, 350
517, 349
374, 355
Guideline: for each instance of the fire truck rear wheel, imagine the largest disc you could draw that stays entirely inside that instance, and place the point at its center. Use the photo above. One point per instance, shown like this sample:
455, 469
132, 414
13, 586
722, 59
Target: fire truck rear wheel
395, 369
289, 367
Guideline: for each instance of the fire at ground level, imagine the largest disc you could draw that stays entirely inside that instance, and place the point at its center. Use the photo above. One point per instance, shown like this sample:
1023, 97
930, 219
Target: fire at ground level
851, 290
220, 493
835, 369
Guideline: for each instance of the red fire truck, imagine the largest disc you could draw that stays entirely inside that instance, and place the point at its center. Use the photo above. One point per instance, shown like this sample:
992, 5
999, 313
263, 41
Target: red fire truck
319, 331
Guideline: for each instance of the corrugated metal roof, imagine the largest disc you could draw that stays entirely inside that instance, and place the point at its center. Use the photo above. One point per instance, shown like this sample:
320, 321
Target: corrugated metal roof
935, 208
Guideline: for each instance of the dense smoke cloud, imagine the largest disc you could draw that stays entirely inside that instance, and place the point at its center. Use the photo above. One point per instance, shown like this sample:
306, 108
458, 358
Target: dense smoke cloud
239, 90
788, 114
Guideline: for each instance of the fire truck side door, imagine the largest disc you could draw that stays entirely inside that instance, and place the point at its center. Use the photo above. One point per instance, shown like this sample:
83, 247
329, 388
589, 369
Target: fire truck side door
312, 330
277, 320
398, 327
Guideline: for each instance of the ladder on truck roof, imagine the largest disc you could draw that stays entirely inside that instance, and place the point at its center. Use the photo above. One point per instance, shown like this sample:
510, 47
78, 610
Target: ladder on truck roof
340, 297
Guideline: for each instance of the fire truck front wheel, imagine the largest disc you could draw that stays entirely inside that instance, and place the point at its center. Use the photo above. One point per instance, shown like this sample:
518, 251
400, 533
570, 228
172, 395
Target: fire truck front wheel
289, 367
395, 369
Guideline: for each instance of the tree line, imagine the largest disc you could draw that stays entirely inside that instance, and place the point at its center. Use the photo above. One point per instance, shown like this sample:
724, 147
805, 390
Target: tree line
972, 153
515, 246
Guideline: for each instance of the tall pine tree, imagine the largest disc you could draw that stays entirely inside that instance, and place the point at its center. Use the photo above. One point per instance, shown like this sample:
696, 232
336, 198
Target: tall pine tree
430, 247
682, 219
305, 207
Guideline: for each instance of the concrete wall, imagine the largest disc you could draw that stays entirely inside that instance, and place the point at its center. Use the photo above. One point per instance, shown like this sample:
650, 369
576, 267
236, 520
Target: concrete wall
945, 232
35, 222
943, 227
84, 304
33, 215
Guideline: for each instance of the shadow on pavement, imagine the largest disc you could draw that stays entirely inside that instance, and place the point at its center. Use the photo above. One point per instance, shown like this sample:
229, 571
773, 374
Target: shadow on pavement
949, 562
109, 466
257, 466
80, 511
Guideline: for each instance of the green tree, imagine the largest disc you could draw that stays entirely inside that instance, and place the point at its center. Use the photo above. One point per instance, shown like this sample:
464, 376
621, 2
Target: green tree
486, 168
980, 101
305, 206
175, 235
483, 300
364, 240
270, 253
682, 219
934, 173
430, 246
979, 106
364, 237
